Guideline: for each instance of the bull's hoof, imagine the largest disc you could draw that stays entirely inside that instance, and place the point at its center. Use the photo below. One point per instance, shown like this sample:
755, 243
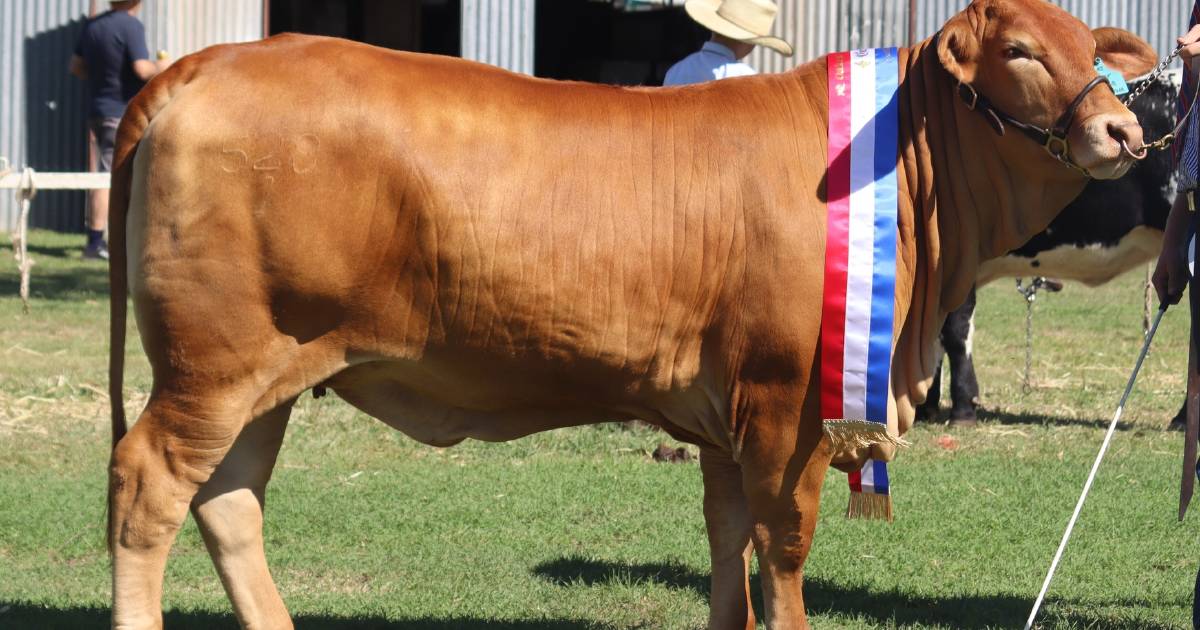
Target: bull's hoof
927, 413
963, 417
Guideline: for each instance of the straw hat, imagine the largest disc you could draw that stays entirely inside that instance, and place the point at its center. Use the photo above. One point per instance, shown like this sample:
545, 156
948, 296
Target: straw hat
747, 21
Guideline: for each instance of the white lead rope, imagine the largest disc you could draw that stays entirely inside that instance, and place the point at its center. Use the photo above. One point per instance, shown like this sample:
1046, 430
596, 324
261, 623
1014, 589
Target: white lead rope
1095, 466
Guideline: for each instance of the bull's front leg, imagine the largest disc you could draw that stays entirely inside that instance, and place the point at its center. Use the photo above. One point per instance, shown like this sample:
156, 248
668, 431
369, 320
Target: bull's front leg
784, 462
727, 519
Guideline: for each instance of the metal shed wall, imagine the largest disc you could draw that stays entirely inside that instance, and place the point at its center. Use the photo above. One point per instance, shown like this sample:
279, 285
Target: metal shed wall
815, 27
499, 32
181, 28
42, 108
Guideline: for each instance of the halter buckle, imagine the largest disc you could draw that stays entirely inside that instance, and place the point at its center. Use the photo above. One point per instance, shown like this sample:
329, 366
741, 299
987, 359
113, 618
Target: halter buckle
1054, 141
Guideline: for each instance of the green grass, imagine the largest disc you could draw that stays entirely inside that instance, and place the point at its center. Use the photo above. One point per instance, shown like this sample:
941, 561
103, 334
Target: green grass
579, 528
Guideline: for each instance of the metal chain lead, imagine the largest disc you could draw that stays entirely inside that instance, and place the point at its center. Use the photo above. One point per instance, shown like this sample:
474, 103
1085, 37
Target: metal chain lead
1030, 294
1164, 142
1154, 74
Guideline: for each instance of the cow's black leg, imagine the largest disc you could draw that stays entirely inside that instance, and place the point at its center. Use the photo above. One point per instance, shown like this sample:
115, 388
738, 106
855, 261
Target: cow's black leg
928, 411
1179, 422
957, 336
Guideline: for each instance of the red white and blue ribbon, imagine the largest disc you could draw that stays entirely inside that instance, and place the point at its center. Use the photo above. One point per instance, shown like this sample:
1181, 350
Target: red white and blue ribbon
860, 263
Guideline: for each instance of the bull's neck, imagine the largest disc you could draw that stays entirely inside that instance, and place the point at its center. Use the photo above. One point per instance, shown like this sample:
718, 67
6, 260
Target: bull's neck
973, 190
967, 195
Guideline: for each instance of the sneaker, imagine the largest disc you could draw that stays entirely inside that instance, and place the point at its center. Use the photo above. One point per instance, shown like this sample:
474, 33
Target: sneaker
98, 252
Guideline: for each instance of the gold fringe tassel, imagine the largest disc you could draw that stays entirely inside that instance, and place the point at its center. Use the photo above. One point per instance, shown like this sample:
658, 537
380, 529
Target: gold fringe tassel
868, 505
847, 434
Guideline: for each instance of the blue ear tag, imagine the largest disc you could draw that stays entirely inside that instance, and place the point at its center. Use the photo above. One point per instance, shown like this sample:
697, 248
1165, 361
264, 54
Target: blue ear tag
1115, 79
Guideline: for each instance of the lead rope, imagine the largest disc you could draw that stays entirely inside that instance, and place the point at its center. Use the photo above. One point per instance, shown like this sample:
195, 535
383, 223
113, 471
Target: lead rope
1148, 298
26, 191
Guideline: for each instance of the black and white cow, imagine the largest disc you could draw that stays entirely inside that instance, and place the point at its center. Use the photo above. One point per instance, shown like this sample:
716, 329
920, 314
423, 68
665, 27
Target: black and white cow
1110, 228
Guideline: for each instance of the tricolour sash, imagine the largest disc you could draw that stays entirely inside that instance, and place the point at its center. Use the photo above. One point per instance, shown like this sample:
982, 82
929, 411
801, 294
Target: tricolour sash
860, 264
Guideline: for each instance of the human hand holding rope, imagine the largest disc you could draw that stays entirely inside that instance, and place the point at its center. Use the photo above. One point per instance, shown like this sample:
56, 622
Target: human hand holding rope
1189, 45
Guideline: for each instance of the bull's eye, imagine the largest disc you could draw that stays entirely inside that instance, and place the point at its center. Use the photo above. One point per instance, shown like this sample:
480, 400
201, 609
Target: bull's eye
1015, 52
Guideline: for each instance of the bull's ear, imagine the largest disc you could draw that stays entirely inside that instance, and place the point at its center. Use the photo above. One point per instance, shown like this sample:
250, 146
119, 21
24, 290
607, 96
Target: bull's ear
959, 48
1124, 52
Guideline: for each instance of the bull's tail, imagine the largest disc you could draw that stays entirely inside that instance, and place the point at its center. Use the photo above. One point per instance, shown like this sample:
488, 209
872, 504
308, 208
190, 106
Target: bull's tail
149, 102
122, 182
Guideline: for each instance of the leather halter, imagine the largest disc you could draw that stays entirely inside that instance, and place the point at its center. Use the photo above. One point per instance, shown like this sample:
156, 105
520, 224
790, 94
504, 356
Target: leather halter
1054, 139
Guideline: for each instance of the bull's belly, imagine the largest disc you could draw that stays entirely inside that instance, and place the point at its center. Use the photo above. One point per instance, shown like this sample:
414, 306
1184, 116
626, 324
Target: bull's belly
1091, 265
445, 407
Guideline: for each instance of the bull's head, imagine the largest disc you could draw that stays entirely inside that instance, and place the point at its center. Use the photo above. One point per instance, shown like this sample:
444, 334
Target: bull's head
1032, 65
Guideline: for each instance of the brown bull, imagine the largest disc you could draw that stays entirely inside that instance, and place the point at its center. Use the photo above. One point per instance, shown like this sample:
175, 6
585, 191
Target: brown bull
462, 252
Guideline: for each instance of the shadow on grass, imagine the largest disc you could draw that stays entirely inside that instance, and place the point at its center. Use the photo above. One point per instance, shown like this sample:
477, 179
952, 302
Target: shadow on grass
64, 252
59, 272
1004, 417
888, 608
27, 615
80, 281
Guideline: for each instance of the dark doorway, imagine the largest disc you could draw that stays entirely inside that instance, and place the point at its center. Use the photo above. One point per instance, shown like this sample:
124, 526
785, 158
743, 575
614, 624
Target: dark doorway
55, 124
605, 42
431, 26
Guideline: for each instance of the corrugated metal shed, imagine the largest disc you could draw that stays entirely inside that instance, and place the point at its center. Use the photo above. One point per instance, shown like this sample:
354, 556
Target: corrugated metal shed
499, 32
185, 27
42, 108
815, 27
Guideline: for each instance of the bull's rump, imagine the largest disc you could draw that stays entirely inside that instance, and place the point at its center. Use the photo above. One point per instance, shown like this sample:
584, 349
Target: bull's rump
464, 222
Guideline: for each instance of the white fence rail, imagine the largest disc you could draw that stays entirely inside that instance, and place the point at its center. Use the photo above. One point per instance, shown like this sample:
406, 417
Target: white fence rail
27, 183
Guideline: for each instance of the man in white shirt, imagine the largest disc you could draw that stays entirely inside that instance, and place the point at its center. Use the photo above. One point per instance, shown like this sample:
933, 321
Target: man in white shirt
737, 27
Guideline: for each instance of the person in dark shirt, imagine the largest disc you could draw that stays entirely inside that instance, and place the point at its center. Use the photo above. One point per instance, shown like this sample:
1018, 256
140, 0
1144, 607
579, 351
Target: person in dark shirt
111, 56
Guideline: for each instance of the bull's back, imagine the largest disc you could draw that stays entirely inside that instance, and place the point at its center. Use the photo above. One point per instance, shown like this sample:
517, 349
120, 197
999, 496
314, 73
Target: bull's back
405, 205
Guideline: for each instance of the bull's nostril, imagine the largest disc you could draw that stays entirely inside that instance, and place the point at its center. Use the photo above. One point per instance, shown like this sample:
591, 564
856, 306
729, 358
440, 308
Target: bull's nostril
1128, 133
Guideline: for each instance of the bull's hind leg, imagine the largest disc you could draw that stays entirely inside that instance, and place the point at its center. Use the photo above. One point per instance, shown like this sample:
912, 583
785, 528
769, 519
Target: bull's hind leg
728, 522
229, 510
156, 469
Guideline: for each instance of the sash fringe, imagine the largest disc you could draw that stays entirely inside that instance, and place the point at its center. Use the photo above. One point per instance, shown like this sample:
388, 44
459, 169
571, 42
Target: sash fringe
870, 506
852, 434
